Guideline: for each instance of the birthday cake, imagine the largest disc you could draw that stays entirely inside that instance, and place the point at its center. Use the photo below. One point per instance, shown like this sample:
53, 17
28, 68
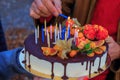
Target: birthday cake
67, 52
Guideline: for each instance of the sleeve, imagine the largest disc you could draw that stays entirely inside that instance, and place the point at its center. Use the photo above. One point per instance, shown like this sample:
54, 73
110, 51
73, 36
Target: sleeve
115, 67
9, 64
67, 7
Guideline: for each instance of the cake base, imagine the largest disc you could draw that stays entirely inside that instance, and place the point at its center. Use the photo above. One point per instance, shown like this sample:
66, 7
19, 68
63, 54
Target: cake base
36, 73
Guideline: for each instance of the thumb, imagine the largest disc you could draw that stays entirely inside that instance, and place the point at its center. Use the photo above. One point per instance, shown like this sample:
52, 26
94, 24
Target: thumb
58, 5
110, 39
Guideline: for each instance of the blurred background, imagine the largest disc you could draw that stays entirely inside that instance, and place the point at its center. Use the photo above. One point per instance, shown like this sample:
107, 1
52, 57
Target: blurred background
16, 23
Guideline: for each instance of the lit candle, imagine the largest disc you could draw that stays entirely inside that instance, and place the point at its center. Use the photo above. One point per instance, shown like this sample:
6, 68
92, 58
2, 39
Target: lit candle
50, 31
68, 18
45, 26
48, 39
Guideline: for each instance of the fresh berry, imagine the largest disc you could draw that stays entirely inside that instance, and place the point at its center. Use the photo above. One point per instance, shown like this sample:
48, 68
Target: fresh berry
73, 53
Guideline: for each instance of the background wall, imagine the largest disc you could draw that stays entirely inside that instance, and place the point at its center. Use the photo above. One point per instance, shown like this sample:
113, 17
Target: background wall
16, 22
15, 13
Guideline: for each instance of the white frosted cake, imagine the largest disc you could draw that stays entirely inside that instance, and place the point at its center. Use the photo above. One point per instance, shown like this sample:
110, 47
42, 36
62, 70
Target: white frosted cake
82, 53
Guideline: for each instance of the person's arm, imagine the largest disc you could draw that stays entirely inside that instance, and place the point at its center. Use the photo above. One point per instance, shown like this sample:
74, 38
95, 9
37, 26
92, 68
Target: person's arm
9, 64
114, 49
114, 52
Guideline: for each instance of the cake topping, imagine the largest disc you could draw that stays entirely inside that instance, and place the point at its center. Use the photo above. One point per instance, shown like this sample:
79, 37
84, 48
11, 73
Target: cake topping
71, 39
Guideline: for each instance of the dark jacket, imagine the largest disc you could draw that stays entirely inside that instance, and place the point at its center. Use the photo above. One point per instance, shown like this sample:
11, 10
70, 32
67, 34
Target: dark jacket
10, 64
3, 45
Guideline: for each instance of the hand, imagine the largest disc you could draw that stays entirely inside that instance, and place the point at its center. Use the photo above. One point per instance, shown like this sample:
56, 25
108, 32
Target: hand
114, 48
45, 8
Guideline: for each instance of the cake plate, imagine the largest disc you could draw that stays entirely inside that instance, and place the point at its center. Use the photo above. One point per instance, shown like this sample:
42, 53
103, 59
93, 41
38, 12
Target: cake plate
46, 77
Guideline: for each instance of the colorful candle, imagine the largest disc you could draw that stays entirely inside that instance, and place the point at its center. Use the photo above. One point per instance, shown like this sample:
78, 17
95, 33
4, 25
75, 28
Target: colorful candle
58, 37
56, 26
60, 30
64, 16
43, 35
68, 31
36, 36
48, 39
63, 33
76, 37
55, 34
45, 26
50, 31
38, 31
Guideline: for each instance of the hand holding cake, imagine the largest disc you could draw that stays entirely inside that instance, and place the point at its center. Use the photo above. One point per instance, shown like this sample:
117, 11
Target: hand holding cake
114, 48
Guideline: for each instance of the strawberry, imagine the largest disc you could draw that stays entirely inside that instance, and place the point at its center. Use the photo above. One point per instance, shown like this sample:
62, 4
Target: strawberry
89, 31
102, 33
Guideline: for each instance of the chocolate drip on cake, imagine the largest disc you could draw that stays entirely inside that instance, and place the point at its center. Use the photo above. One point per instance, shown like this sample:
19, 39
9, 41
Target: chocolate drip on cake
86, 65
100, 69
65, 76
52, 70
90, 69
24, 61
99, 64
82, 63
93, 62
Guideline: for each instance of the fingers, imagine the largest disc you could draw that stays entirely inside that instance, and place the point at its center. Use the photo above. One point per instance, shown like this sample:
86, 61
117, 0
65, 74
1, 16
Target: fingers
109, 40
42, 8
45, 8
37, 10
52, 6
58, 6
33, 14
